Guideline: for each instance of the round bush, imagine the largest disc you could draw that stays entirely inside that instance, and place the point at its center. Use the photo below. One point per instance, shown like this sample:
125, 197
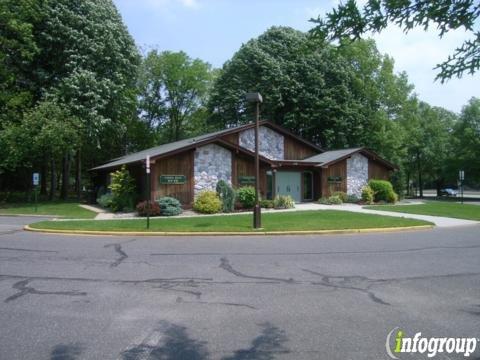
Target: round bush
341, 194
246, 196
169, 206
105, 200
382, 190
207, 202
142, 208
267, 204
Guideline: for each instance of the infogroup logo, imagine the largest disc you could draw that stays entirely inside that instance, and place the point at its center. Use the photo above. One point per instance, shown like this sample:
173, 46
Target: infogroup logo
430, 346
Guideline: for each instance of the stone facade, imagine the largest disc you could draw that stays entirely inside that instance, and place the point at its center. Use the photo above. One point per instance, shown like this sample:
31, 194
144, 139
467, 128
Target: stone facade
271, 143
212, 163
357, 174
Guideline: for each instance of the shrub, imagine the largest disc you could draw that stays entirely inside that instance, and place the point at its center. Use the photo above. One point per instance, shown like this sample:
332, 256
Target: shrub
367, 194
353, 199
341, 194
246, 196
142, 209
382, 190
123, 190
105, 200
169, 206
331, 200
207, 202
227, 195
284, 202
267, 204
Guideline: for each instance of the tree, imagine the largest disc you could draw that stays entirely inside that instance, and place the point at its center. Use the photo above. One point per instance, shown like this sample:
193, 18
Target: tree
349, 21
173, 92
466, 143
428, 144
335, 97
46, 135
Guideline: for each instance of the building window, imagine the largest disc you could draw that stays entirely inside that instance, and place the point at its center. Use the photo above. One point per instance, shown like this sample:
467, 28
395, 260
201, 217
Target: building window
307, 185
269, 193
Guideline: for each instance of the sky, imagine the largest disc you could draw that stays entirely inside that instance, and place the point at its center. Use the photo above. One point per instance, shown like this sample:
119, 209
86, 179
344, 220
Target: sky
213, 30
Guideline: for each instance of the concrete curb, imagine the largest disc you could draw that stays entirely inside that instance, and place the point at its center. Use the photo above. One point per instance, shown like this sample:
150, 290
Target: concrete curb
31, 215
231, 233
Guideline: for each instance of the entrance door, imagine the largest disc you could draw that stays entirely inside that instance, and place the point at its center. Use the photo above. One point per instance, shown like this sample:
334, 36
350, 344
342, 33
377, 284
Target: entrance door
289, 183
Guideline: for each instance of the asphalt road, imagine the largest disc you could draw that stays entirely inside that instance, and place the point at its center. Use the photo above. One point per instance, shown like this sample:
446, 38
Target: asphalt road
293, 297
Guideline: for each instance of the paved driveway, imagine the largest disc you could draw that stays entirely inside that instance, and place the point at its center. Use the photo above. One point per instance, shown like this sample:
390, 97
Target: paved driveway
304, 297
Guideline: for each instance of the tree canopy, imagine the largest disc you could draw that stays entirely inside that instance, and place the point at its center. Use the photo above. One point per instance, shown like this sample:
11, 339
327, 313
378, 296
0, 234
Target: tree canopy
348, 20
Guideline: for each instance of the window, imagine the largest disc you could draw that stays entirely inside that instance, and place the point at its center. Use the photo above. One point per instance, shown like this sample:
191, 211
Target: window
307, 185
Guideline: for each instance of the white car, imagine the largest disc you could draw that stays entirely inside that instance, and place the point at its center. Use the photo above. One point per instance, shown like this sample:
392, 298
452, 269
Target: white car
448, 192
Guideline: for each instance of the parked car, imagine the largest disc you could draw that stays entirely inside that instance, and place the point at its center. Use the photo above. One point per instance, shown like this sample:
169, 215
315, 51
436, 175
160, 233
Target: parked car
448, 192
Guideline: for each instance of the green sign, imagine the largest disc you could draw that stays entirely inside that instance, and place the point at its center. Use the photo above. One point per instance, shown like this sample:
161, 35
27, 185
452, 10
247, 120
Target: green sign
172, 179
334, 179
246, 180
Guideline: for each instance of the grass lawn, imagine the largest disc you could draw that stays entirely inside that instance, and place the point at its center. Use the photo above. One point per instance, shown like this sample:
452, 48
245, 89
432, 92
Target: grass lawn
61, 209
284, 221
436, 208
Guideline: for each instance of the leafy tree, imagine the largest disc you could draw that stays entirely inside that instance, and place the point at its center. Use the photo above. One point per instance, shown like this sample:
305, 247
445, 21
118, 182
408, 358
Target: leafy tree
428, 144
46, 134
350, 21
173, 91
336, 97
17, 53
466, 140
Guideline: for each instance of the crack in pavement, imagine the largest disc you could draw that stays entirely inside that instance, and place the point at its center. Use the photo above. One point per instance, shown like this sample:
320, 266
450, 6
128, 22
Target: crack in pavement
225, 265
353, 282
23, 289
119, 250
358, 252
27, 250
180, 300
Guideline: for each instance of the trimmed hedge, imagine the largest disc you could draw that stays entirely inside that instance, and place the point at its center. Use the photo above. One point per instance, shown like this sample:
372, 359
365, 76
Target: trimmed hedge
142, 209
383, 191
207, 202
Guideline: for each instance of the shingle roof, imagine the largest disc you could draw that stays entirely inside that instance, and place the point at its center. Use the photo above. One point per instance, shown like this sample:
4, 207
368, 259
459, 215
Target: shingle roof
331, 156
162, 149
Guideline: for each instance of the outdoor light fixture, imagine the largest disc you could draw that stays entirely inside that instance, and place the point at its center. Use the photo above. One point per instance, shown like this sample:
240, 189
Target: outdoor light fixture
256, 98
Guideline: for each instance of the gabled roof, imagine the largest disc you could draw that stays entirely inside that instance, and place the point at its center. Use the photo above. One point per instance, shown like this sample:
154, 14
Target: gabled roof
330, 157
185, 144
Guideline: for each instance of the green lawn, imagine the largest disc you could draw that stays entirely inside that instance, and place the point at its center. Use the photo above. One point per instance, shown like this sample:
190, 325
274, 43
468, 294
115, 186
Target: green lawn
62, 209
436, 208
284, 221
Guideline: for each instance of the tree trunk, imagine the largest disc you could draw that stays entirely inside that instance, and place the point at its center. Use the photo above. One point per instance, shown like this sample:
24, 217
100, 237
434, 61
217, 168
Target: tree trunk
420, 180
78, 175
43, 178
53, 180
65, 176
409, 190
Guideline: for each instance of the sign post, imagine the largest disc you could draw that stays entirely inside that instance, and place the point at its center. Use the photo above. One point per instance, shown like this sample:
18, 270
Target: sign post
461, 177
36, 182
147, 169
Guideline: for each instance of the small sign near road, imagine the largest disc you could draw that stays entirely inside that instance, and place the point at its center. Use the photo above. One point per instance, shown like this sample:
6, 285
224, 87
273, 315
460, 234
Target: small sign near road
36, 179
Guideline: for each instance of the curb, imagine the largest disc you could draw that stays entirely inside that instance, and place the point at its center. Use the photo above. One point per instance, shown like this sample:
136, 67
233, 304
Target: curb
231, 233
29, 215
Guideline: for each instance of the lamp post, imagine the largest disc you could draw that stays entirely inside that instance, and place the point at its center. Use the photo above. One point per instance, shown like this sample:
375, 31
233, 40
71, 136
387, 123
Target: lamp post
147, 169
257, 215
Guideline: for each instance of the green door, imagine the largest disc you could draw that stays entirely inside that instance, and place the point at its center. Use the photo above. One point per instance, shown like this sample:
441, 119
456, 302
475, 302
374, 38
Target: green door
289, 183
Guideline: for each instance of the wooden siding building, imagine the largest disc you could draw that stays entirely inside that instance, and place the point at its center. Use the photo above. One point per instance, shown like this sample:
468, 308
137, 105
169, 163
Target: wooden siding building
289, 165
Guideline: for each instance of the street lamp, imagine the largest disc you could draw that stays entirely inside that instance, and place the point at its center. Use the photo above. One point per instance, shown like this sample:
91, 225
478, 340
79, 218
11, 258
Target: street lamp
257, 220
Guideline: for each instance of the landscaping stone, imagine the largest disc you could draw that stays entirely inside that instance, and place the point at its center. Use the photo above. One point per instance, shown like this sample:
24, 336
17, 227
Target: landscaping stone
211, 164
271, 143
357, 174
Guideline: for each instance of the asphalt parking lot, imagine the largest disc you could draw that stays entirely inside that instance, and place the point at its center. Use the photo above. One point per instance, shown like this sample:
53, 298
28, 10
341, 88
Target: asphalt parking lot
290, 297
